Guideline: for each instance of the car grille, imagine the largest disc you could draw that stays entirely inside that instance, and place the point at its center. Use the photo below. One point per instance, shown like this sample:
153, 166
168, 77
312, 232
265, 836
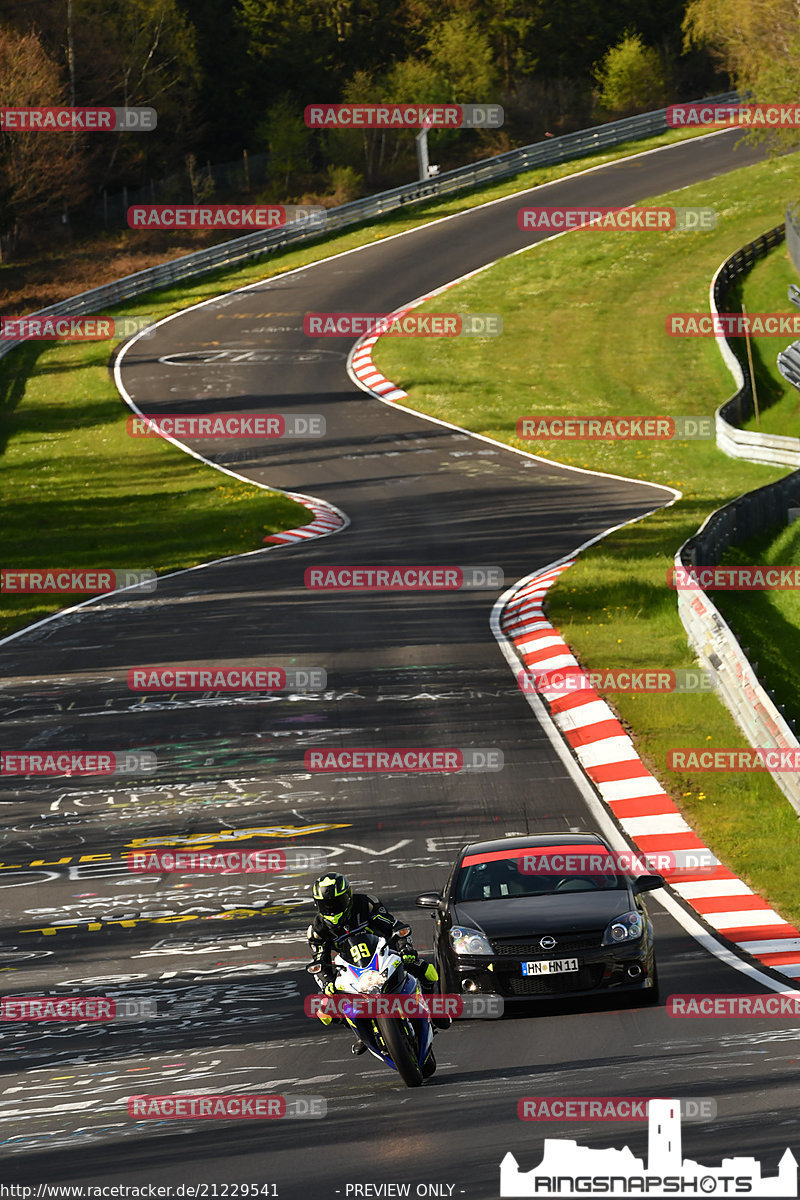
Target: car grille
566, 945
570, 981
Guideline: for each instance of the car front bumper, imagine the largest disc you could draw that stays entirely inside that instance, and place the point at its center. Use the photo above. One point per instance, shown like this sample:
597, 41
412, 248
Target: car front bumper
607, 969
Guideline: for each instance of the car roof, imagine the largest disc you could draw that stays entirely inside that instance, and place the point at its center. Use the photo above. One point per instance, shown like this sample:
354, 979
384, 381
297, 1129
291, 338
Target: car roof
533, 841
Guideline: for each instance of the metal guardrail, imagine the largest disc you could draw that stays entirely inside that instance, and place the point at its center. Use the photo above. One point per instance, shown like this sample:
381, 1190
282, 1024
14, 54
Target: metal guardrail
734, 441
712, 639
253, 245
793, 234
789, 359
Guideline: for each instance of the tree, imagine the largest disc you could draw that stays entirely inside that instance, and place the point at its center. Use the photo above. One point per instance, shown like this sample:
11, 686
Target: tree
630, 76
133, 53
758, 44
286, 136
461, 54
39, 172
746, 39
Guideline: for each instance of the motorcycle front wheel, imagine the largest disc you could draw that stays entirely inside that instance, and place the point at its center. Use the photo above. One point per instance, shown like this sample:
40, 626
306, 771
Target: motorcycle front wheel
401, 1044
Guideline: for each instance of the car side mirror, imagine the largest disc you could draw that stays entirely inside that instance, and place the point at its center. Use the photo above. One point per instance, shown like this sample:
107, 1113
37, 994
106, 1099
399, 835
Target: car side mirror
429, 900
648, 883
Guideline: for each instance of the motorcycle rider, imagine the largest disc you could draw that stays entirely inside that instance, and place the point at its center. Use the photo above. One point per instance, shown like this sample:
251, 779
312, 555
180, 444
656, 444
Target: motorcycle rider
340, 910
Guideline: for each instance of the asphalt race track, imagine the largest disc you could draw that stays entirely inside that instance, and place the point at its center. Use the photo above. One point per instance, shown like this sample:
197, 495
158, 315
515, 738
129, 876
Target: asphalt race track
223, 955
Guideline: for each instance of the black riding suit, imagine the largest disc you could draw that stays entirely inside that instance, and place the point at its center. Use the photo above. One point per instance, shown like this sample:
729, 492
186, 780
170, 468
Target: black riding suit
368, 913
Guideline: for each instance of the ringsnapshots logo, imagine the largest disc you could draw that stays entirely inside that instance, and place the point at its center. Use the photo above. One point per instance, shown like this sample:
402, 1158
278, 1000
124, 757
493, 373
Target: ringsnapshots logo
570, 1170
566, 680
228, 679
254, 1106
555, 219
77, 1010
402, 579
405, 759
615, 429
405, 324
749, 578
97, 581
72, 329
228, 425
226, 216
608, 1108
73, 119
404, 116
223, 862
733, 116
733, 325
76, 763
488, 1006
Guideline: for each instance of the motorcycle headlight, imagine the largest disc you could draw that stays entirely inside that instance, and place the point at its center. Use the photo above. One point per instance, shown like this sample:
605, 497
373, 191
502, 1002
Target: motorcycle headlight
371, 981
469, 941
626, 928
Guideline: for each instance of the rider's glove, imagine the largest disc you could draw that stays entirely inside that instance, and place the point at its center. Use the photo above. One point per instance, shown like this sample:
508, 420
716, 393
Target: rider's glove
409, 956
329, 988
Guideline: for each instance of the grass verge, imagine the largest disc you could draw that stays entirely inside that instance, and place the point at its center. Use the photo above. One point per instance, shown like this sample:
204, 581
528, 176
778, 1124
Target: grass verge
584, 334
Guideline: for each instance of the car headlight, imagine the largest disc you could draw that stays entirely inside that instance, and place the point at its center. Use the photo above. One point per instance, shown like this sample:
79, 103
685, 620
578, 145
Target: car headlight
469, 941
626, 928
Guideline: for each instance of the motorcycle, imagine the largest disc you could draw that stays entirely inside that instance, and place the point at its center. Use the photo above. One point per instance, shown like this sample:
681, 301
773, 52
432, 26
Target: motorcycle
367, 966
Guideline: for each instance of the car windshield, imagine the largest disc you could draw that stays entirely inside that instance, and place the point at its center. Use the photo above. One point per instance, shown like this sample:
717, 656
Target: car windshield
510, 878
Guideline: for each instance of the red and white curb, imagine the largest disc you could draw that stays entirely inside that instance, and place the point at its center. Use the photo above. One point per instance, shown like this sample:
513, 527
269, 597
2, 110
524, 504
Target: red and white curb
368, 374
327, 519
636, 799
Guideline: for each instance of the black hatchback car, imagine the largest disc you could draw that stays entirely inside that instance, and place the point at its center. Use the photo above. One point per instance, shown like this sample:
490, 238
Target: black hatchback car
548, 916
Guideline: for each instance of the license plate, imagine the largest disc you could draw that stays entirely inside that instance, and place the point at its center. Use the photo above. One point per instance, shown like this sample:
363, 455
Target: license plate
550, 966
